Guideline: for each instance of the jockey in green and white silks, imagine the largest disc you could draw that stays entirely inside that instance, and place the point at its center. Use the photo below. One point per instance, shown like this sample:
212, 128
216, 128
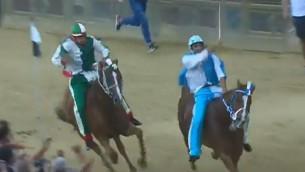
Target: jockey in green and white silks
206, 79
76, 55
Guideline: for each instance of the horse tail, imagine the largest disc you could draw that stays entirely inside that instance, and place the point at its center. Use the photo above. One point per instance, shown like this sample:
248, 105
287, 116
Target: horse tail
182, 118
61, 109
60, 114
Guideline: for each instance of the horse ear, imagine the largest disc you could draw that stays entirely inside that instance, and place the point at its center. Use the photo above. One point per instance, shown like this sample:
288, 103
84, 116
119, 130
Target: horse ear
115, 61
254, 86
239, 84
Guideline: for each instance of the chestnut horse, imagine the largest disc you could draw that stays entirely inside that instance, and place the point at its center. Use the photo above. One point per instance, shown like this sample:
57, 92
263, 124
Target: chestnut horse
106, 116
224, 123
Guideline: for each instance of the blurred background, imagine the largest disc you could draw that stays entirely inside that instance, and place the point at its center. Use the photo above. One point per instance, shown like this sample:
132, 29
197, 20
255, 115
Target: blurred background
246, 24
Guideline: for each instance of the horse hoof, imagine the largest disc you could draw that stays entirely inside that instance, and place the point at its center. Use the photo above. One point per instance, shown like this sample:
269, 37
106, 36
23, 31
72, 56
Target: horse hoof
114, 157
110, 168
247, 147
132, 169
142, 163
60, 114
214, 155
193, 166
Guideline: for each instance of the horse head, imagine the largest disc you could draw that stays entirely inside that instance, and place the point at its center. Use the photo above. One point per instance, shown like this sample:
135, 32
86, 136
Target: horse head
238, 102
111, 80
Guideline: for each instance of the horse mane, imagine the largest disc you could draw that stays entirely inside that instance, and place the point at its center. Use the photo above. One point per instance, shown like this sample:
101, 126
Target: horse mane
227, 93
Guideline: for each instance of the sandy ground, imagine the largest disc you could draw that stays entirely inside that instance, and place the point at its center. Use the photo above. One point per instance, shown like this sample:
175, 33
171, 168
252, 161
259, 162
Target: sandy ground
30, 88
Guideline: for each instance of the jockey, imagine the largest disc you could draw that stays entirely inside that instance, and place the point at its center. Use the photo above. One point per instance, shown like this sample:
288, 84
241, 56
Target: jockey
205, 78
213, 79
76, 55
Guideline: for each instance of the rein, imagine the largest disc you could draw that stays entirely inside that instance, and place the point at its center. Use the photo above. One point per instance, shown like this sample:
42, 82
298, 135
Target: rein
233, 114
104, 84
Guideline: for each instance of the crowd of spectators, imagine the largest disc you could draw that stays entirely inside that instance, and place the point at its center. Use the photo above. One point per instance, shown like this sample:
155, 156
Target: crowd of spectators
14, 158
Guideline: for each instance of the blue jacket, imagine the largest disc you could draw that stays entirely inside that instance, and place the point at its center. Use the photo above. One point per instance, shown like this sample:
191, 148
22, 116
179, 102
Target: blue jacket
208, 67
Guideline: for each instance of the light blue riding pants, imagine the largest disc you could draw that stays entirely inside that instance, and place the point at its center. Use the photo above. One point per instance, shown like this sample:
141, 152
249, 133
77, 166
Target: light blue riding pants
202, 97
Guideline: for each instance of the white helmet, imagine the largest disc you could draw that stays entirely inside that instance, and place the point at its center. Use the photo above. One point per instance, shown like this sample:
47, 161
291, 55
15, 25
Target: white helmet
194, 39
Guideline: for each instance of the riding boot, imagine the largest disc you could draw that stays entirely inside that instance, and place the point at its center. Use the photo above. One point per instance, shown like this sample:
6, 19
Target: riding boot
88, 141
246, 145
132, 119
130, 114
135, 121
193, 158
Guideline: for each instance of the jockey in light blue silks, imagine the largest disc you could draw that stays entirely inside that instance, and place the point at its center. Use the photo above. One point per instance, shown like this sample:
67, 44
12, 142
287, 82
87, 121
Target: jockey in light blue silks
204, 75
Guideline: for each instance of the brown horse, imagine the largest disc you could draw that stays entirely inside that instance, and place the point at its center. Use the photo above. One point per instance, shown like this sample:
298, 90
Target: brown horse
106, 116
224, 123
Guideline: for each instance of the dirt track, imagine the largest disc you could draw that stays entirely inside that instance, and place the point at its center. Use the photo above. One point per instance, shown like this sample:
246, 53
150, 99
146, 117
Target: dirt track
31, 87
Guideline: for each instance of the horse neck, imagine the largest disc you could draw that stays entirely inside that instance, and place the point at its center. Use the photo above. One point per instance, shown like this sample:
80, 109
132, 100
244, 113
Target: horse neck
101, 96
113, 114
98, 91
227, 96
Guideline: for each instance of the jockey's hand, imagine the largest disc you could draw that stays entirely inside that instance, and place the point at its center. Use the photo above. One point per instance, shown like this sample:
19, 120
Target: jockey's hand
63, 61
100, 65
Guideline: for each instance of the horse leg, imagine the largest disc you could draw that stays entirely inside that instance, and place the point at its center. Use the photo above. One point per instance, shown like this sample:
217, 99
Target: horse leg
235, 157
133, 130
60, 113
109, 150
99, 152
236, 154
215, 154
227, 160
122, 151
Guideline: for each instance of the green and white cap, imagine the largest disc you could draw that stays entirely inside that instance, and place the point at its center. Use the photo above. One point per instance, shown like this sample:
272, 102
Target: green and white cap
78, 29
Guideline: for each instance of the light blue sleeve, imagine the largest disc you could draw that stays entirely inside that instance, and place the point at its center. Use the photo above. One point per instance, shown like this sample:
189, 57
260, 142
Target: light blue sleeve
191, 61
181, 77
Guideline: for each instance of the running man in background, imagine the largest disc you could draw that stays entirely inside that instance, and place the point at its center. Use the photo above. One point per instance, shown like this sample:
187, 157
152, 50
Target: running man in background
138, 18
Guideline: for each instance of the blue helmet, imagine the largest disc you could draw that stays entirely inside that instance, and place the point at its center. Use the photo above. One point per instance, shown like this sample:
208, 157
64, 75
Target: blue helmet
194, 39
